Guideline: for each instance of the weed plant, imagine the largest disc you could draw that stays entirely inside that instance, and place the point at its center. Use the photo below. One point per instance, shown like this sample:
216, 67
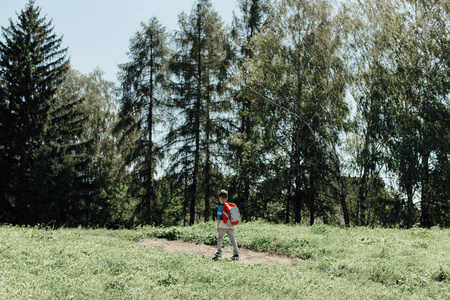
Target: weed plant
355, 263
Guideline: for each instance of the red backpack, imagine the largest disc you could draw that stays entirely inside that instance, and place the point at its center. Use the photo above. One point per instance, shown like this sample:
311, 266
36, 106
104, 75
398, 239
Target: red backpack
230, 214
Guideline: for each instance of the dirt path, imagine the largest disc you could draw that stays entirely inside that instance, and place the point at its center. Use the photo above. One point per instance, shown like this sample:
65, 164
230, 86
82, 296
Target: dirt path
247, 256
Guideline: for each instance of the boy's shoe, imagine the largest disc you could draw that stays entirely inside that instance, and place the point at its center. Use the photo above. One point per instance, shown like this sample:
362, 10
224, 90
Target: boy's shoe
235, 257
216, 256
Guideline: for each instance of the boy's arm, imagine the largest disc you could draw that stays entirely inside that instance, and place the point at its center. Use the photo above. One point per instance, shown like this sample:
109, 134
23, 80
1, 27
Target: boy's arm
218, 223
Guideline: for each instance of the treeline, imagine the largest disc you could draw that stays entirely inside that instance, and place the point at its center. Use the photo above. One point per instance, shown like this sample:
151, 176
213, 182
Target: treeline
261, 107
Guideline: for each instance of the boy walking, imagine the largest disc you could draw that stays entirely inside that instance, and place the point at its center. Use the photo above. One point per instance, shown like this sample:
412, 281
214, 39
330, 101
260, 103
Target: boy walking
223, 228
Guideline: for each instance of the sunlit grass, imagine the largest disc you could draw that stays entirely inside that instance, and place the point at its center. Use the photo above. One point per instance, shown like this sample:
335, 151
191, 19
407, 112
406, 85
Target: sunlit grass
356, 263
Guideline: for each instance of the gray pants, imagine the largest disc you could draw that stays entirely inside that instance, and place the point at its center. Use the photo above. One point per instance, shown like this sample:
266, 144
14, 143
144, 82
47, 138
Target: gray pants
230, 232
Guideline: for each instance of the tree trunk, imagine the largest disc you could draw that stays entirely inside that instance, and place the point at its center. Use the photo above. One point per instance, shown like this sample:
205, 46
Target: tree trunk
248, 131
298, 206
288, 199
298, 197
425, 216
336, 161
297, 148
149, 193
196, 166
339, 179
197, 133
409, 195
343, 202
186, 198
340, 186
360, 200
208, 163
312, 197
369, 206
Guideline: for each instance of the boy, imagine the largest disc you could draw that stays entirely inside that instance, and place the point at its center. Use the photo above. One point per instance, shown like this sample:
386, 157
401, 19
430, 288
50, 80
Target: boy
223, 228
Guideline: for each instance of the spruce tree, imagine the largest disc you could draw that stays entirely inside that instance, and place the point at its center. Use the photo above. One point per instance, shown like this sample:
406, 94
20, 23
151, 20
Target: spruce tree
32, 65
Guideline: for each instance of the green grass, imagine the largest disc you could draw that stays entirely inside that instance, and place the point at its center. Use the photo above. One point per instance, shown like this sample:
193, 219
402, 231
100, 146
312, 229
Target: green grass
356, 263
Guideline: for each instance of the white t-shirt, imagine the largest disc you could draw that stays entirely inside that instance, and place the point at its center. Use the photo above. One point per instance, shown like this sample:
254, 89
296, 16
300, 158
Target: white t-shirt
223, 225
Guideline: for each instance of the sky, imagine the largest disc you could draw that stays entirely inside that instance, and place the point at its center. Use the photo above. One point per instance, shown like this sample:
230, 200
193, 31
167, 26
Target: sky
97, 32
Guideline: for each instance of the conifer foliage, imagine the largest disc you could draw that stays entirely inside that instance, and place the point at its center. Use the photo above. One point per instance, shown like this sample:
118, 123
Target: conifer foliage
143, 82
200, 67
32, 65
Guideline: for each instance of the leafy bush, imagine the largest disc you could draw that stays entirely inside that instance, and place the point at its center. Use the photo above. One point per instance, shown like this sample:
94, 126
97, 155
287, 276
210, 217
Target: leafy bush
171, 234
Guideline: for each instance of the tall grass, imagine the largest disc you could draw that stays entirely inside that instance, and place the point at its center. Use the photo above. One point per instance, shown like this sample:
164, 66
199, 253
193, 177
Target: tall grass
356, 263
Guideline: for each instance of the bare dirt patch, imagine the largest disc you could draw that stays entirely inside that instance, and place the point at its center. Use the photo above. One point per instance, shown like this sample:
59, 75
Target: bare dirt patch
246, 256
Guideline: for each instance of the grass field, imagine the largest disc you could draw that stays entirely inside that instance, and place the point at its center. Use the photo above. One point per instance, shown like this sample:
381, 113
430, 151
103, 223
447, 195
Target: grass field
337, 263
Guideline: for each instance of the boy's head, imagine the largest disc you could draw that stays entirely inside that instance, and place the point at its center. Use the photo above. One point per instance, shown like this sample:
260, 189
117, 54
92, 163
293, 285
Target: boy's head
223, 196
